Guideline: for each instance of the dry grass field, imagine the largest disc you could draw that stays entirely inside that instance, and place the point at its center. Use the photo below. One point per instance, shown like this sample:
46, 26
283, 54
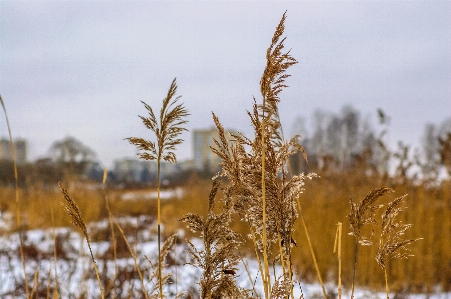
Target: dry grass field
256, 207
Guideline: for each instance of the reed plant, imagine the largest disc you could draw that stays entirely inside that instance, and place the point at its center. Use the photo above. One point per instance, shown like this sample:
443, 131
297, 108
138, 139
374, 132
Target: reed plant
364, 214
16, 189
337, 249
218, 259
166, 129
72, 210
258, 187
391, 244
155, 273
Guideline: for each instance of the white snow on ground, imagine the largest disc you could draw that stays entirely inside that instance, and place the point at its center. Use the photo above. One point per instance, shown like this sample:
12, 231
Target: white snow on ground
76, 274
164, 194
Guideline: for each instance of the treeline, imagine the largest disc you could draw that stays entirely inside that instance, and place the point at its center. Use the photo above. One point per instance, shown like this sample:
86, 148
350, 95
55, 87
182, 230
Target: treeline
70, 159
336, 142
344, 141
67, 157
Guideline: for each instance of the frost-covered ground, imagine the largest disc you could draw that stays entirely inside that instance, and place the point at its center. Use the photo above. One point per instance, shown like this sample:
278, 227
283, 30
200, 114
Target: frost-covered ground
164, 194
76, 276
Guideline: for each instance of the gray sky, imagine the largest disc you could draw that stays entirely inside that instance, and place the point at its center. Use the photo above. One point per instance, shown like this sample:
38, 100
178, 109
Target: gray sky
81, 68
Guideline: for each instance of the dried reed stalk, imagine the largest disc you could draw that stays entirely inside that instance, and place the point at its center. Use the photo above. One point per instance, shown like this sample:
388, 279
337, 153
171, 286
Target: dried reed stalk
72, 210
16, 180
363, 214
337, 248
218, 258
391, 245
271, 84
113, 237
166, 129
253, 168
135, 260
265, 275
312, 252
304, 225
246, 267
55, 287
35, 283
154, 275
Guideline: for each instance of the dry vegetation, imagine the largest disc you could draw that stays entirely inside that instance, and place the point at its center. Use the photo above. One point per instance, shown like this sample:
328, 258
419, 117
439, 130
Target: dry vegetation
253, 206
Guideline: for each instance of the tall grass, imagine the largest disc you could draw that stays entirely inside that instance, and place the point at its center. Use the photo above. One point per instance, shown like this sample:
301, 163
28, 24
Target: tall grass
166, 129
363, 214
16, 189
73, 211
391, 245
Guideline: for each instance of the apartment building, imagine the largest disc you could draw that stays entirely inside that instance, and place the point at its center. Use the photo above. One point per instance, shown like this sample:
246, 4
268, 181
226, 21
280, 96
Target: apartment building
204, 158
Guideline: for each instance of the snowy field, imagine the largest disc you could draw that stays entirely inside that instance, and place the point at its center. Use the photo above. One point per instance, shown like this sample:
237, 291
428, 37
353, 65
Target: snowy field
76, 276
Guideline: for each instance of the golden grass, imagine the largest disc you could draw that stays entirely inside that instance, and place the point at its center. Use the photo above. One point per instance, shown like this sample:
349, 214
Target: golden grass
325, 203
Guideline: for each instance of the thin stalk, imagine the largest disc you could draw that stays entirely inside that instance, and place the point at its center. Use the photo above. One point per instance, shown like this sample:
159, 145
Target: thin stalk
208, 294
249, 275
254, 241
308, 238
176, 266
113, 236
282, 261
159, 232
55, 289
290, 273
95, 268
386, 282
133, 256
288, 245
266, 279
337, 248
35, 283
16, 179
256, 251
311, 249
356, 250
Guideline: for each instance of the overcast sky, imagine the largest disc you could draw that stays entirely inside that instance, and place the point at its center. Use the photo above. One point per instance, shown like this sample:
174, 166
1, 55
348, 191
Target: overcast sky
81, 68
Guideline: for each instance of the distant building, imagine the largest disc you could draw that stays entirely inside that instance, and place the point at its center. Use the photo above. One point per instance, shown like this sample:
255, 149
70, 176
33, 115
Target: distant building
204, 158
20, 150
185, 165
128, 170
166, 169
134, 170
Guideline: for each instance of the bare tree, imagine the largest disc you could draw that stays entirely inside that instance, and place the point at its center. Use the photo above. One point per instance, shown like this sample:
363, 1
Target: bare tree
73, 154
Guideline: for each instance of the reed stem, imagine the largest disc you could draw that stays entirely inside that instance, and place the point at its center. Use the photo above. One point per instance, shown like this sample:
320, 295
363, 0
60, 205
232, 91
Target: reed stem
337, 248
16, 179
160, 285
266, 278
386, 282
356, 250
311, 249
